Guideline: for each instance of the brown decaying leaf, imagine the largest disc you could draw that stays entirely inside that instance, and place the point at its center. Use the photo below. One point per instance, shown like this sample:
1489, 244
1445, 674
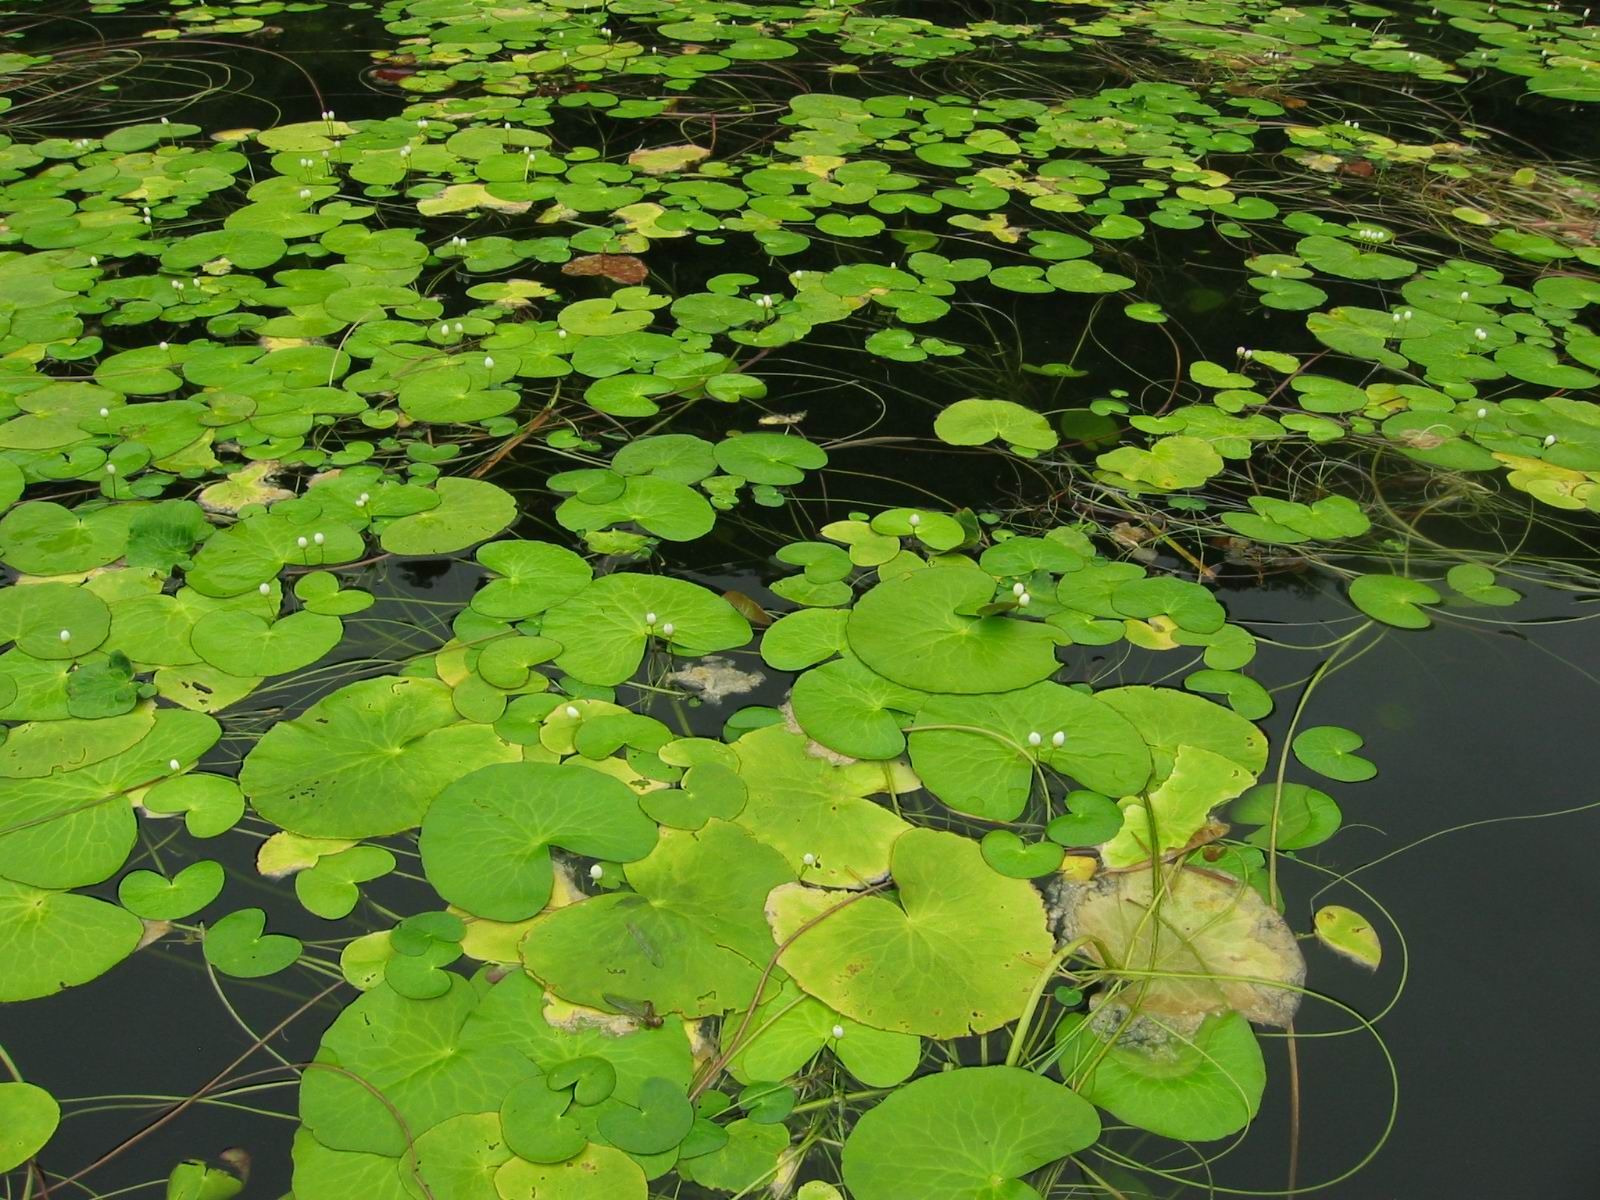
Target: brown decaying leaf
619, 268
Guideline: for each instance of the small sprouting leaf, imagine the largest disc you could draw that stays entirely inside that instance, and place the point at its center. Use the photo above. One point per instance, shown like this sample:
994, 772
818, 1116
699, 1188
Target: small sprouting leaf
1348, 934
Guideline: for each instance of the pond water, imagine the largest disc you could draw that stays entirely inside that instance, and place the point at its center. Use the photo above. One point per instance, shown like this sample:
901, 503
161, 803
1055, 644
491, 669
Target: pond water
623, 599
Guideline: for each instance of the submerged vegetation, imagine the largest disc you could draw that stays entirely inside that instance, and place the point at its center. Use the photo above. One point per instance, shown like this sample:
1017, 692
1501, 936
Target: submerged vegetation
667, 578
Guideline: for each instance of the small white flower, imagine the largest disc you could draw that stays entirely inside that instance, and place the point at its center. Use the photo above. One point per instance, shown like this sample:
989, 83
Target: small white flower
405, 151
318, 538
161, 346
177, 285
1239, 351
444, 328
94, 260
301, 542
1463, 296
65, 635
809, 859
561, 333
1023, 600
1273, 274
838, 1032
111, 468
1480, 334
572, 710
1549, 439
487, 361
265, 589
422, 122
105, 412
174, 765
649, 618
459, 326
1482, 413
305, 193
361, 500
666, 629
1017, 589
166, 120
1395, 317
1405, 314
1035, 738
1058, 739
596, 871
914, 520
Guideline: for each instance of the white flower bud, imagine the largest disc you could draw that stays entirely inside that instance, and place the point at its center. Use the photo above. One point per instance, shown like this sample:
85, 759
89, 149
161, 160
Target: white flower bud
572, 710
649, 618
111, 468
105, 412
305, 193
1023, 600
1017, 589
1463, 296
301, 542
318, 538
1480, 334
265, 589
596, 871
1058, 739
809, 859
174, 765
1482, 413
1035, 738
65, 635
914, 520
666, 629
838, 1032
488, 361
1549, 439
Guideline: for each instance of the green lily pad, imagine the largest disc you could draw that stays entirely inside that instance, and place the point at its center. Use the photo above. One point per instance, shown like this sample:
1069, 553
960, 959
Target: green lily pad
147, 894
1330, 750
469, 511
967, 1134
690, 938
978, 422
486, 839
1196, 1086
605, 628
661, 1120
242, 643
238, 945
366, 760
28, 1117
1011, 856
1393, 599
980, 754
918, 632
958, 951
772, 458
853, 710
55, 940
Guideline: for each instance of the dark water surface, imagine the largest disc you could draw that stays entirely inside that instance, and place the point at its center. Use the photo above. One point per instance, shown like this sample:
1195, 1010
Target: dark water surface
1476, 724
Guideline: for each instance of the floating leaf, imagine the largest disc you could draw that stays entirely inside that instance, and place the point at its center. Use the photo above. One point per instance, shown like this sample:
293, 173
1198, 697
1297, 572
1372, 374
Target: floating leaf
1201, 944
958, 952
917, 631
967, 1134
1348, 934
1195, 1085
486, 839
28, 1117
1393, 599
1329, 750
